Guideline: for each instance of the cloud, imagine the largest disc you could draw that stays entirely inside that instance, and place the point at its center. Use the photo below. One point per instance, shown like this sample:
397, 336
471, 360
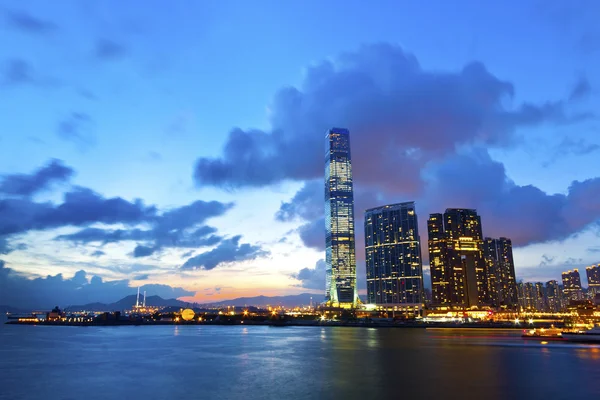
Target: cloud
302, 205
312, 278
77, 128
399, 114
177, 227
17, 72
141, 277
227, 251
27, 23
28, 184
109, 50
569, 146
581, 89
98, 253
44, 293
143, 251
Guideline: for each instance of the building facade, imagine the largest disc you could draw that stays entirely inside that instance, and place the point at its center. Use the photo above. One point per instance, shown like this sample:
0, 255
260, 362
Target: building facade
458, 271
393, 258
593, 277
500, 265
572, 285
554, 296
340, 254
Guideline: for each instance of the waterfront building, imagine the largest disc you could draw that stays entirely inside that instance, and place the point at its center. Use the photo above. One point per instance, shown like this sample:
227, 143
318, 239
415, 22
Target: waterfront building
572, 285
393, 258
340, 255
593, 278
500, 265
554, 296
458, 270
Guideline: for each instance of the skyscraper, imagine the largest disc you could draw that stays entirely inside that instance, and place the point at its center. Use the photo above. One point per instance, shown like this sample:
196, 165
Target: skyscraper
393, 257
553, 296
572, 285
593, 277
339, 221
458, 271
498, 256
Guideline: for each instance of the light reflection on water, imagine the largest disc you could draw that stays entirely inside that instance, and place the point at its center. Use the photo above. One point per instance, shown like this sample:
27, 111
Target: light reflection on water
230, 362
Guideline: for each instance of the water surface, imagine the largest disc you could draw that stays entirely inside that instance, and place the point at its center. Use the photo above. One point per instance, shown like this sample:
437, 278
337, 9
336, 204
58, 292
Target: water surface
256, 362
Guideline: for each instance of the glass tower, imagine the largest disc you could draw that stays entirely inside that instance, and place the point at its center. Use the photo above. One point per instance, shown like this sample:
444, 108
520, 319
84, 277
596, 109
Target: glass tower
501, 272
393, 257
458, 270
572, 285
339, 221
593, 277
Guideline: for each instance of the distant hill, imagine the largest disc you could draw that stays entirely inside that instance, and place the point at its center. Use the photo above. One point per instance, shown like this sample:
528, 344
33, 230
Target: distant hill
8, 309
261, 301
126, 303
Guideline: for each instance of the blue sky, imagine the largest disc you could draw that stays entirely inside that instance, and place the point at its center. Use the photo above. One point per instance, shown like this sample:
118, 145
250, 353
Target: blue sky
451, 104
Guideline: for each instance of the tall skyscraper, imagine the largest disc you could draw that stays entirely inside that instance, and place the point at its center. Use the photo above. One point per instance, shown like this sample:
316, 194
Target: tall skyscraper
458, 270
553, 296
572, 285
340, 255
593, 277
498, 256
393, 257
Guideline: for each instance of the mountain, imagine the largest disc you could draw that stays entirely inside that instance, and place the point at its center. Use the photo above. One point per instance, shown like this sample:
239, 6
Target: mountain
8, 309
126, 303
261, 301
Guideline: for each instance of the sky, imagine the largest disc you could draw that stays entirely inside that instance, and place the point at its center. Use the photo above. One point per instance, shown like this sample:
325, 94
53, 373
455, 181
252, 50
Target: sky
179, 147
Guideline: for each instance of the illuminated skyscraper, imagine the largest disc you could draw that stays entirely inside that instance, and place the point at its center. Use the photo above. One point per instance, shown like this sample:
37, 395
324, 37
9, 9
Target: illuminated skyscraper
498, 256
340, 255
593, 277
572, 285
458, 270
553, 296
393, 257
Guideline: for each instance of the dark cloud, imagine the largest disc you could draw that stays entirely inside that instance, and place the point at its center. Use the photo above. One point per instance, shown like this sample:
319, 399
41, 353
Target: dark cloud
570, 146
581, 89
302, 205
44, 293
109, 50
312, 278
80, 207
143, 251
77, 128
177, 227
28, 184
98, 253
401, 117
28, 23
141, 277
17, 72
227, 251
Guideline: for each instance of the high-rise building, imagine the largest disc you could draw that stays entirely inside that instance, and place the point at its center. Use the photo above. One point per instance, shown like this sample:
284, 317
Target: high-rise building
553, 296
340, 255
502, 283
593, 277
572, 285
393, 257
458, 270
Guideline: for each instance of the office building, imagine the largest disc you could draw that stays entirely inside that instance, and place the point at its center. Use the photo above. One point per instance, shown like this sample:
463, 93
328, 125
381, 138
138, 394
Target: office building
458, 270
502, 283
393, 258
593, 278
554, 296
340, 255
572, 285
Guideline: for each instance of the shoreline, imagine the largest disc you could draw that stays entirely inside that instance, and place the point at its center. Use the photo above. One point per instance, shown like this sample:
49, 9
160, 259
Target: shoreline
279, 324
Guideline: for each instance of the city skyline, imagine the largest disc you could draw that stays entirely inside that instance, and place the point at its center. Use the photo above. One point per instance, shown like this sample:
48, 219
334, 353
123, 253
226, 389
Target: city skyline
157, 147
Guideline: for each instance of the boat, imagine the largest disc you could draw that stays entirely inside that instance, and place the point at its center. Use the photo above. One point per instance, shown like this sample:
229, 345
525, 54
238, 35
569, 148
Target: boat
543, 333
590, 336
